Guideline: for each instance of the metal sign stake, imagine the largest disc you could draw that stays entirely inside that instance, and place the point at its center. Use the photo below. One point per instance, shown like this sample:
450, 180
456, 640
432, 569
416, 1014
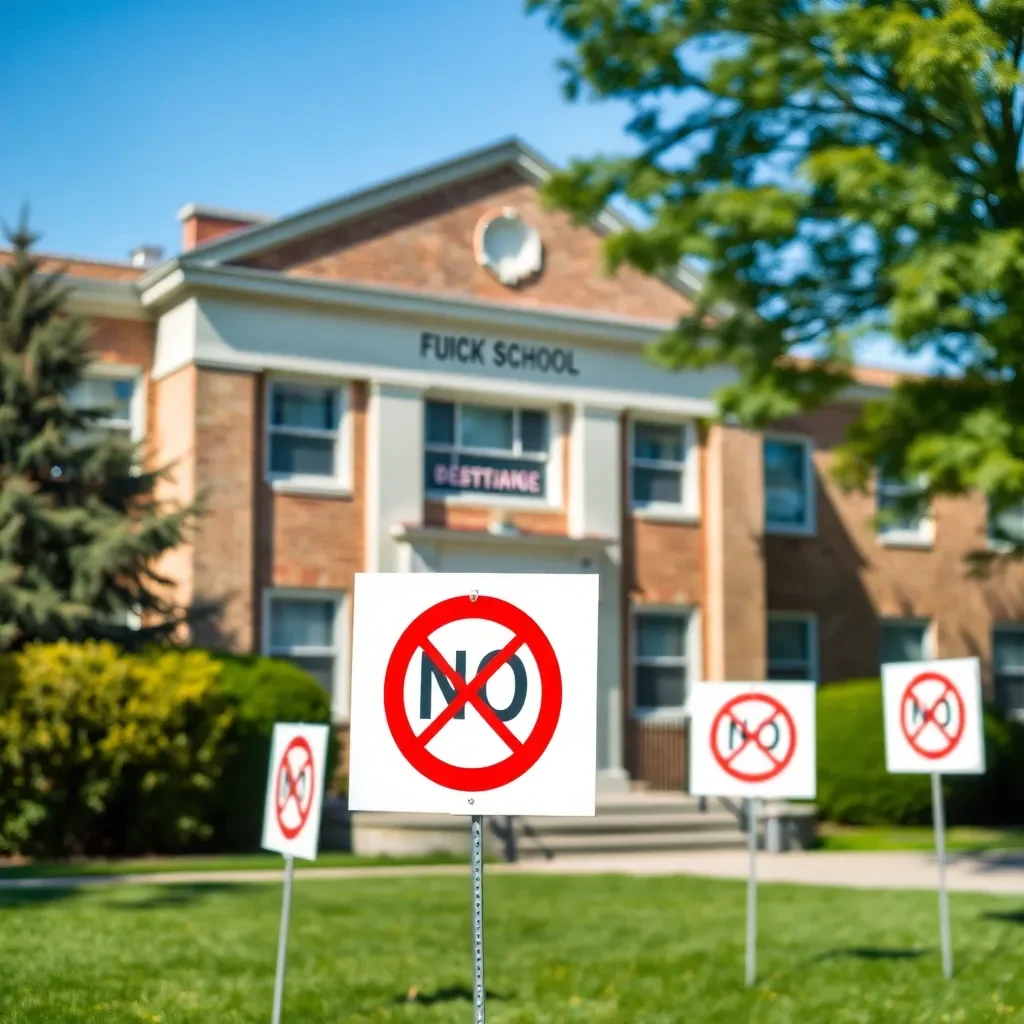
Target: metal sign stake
282, 939
477, 860
939, 817
753, 813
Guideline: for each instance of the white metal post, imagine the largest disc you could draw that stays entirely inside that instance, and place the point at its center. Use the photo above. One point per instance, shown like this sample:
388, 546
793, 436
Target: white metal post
282, 938
477, 860
753, 813
939, 817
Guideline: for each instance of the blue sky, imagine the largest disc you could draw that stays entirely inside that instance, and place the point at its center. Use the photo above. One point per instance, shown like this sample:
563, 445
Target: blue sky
138, 108
134, 109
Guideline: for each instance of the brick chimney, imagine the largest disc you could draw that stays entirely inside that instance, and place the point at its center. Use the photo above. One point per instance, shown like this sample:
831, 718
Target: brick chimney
201, 224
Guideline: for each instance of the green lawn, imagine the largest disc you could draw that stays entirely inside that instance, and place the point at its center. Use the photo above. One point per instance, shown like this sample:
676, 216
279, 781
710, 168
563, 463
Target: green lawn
227, 862
594, 950
977, 840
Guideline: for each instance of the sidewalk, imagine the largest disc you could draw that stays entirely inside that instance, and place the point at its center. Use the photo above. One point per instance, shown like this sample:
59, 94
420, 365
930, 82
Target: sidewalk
986, 873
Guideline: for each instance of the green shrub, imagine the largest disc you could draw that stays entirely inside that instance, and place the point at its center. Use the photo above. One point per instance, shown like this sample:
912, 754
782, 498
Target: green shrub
107, 753
854, 787
263, 691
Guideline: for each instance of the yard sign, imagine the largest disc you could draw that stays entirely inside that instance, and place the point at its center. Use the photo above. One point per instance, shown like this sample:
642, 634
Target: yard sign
295, 790
474, 693
752, 740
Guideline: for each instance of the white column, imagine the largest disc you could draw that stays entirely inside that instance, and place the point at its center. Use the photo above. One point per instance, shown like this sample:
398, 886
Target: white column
595, 510
394, 471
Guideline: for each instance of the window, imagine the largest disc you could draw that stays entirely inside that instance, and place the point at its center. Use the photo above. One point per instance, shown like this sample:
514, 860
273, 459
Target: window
661, 661
488, 450
791, 648
1008, 669
304, 627
902, 511
660, 480
905, 640
788, 486
1006, 527
304, 434
115, 397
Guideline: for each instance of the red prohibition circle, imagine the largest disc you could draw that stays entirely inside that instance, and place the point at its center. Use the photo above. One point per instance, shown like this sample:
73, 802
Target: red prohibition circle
522, 758
284, 774
754, 736
951, 738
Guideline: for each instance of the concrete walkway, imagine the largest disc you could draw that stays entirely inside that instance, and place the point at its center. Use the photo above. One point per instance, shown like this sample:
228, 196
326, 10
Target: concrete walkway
987, 873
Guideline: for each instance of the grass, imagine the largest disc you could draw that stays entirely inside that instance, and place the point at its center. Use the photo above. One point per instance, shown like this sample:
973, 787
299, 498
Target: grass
226, 862
974, 840
609, 950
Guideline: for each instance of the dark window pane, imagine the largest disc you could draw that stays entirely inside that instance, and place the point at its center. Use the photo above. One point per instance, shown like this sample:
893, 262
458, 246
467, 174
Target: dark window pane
660, 636
440, 423
1008, 651
484, 474
657, 486
301, 456
793, 674
660, 686
785, 483
654, 441
534, 428
321, 669
486, 426
310, 408
788, 641
898, 517
902, 641
298, 623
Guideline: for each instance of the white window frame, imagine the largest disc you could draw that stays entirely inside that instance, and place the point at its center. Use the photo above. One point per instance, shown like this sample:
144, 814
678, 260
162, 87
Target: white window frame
811, 622
339, 695
928, 647
895, 536
810, 527
552, 458
338, 484
692, 658
688, 509
136, 422
1005, 627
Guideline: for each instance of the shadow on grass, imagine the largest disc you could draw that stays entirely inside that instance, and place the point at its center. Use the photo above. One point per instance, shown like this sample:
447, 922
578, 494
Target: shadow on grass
155, 898
1007, 916
451, 994
870, 953
14, 899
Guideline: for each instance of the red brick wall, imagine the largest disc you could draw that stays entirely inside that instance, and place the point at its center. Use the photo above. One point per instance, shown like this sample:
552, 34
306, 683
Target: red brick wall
427, 244
849, 578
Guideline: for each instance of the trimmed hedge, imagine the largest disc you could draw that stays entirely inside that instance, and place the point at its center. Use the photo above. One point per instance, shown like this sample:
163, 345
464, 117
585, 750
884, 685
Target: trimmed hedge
263, 691
108, 753
855, 789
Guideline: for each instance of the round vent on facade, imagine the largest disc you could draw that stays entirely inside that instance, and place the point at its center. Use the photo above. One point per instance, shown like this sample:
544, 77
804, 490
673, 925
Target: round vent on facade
508, 247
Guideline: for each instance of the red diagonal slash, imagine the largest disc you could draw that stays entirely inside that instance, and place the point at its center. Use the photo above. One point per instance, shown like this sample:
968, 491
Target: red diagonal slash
752, 737
292, 783
927, 716
470, 693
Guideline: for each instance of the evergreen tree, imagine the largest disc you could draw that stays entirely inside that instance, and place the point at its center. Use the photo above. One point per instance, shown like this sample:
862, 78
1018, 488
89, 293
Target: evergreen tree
837, 169
80, 527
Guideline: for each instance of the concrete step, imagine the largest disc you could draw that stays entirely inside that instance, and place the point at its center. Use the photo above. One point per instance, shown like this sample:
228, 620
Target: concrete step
642, 842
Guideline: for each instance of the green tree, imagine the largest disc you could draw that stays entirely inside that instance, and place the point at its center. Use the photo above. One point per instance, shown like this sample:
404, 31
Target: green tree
80, 526
835, 169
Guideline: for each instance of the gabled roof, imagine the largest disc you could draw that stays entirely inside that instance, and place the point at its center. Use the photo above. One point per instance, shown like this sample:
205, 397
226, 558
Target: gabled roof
510, 153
